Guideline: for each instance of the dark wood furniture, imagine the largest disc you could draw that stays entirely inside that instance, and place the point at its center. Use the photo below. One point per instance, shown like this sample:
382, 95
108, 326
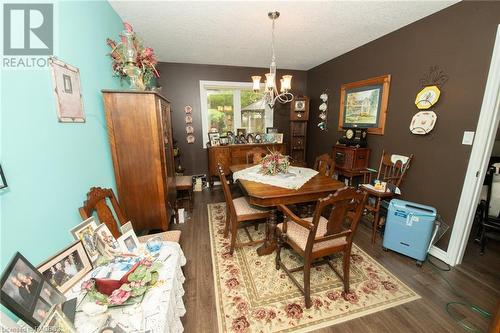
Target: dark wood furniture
264, 195
325, 165
140, 136
350, 162
97, 202
317, 237
389, 172
234, 154
237, 211
299, 115
489, 227
255, 155
184, 184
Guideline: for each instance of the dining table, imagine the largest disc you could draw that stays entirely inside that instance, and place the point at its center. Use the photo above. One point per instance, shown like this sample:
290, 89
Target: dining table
270, 196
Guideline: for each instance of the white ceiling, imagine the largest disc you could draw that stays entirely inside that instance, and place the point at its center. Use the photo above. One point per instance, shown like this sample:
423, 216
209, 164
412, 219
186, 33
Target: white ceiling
237, 33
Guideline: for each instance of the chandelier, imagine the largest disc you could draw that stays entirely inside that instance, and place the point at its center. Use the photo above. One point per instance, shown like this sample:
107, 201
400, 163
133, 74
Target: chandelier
271, 94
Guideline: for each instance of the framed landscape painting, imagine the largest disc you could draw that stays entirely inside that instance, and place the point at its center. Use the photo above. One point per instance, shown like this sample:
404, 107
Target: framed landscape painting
363, 104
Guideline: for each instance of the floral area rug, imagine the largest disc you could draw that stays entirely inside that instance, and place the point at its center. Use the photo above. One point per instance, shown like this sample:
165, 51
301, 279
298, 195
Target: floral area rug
252, 296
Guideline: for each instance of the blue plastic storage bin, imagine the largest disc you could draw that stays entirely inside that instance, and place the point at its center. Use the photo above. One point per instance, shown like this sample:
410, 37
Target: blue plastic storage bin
409, 228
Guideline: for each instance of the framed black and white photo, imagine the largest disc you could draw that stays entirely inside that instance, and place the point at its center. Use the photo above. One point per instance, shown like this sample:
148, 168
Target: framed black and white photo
26, 293
85, 232
67, 267
66, 84
3, 181
270, 130
214, 138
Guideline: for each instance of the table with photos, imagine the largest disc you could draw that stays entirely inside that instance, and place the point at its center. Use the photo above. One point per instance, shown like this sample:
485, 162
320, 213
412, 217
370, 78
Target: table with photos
161, 308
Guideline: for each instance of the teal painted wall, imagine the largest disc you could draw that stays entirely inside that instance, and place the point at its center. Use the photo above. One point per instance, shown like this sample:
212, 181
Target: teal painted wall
50, 166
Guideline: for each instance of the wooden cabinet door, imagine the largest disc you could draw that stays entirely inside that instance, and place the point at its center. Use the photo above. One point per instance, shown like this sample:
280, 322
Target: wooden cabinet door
167, 151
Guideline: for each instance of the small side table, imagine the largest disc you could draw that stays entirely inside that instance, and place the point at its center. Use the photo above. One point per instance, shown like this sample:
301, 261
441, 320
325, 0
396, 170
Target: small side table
351, 162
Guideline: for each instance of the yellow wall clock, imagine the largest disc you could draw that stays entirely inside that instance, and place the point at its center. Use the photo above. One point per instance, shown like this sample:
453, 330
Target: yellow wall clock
427, 97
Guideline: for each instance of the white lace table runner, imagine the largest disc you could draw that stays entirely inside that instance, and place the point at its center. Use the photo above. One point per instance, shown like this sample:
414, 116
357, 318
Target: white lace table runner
294, 179
160, 310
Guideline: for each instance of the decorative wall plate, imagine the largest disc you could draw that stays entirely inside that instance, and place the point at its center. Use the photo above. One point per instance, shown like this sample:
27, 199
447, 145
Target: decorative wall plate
188, 109
423, 122
189, 119
190, 138
189, 129
427, 97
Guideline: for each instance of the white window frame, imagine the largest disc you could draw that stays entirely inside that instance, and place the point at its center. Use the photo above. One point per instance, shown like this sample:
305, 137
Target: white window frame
228, 85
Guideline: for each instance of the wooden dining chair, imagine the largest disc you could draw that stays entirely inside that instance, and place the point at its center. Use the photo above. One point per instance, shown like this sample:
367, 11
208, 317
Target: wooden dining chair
255, 155
325, 165
392, 169
97, 201
318, 238
238, 211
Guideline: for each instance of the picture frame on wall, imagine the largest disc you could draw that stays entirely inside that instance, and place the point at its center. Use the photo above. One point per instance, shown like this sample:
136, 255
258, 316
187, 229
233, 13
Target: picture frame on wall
363, 104
25, 292
3, 181
85, 232
67, 91
66, 267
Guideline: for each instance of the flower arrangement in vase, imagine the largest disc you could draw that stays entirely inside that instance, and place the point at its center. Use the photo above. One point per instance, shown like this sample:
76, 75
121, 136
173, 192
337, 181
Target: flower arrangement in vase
133, 61
274, 163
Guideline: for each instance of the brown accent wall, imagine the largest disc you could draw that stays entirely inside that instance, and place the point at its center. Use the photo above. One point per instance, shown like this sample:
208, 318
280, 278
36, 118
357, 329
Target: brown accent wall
181, 85
460, 40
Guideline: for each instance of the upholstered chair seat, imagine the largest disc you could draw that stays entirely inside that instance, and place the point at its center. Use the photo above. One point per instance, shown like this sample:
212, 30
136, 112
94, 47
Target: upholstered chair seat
242, 207
298, 234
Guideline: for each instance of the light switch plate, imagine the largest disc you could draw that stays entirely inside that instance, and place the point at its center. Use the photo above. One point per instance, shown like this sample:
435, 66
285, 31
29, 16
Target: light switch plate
468, 138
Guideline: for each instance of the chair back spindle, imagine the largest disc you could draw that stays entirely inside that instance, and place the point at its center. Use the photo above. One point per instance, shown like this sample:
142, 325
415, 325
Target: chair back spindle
346, 208
325, 165
97, 202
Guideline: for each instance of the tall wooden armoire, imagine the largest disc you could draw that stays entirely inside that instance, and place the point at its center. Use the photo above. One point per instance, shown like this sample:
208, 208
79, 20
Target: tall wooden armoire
140, 136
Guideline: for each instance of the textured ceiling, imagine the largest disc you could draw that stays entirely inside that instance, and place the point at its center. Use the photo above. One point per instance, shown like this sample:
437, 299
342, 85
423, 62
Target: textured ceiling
236, 33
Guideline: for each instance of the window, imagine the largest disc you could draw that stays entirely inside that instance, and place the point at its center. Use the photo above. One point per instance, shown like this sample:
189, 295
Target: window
227, 106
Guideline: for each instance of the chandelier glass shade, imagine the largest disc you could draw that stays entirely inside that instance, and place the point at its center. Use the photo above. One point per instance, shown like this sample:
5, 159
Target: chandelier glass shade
271, 93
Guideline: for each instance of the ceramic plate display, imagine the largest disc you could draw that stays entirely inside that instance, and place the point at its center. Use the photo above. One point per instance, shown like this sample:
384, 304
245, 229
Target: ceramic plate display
188, 109
423, 122
190, 138
427, 97
189, 129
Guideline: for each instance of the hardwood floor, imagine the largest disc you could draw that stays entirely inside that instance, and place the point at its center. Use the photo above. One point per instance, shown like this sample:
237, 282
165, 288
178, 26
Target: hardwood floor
483, 268
427, 314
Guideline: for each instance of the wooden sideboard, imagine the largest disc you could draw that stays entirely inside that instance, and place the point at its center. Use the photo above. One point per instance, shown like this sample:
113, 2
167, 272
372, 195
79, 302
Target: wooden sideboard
234, 154
140, 136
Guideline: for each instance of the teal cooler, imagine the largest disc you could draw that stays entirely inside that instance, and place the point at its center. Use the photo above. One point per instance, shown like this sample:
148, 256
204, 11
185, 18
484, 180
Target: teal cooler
409, 228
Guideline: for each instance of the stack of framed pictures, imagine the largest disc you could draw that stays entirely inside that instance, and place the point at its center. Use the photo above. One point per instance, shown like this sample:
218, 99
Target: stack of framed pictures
26, 292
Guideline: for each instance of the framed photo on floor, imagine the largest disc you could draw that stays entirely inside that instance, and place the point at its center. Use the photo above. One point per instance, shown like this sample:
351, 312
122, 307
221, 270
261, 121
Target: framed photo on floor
26, 293
67, 267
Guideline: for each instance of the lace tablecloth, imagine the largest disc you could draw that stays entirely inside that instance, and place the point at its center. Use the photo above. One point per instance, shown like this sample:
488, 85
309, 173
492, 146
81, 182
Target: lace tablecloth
294, 179
160, 310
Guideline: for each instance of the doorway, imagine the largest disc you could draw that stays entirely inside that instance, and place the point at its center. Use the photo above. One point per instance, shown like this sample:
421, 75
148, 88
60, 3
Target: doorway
478, 162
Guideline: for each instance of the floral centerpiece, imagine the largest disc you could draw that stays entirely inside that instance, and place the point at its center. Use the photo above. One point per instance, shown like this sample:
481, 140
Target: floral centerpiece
144, 276
274, 163
133, 61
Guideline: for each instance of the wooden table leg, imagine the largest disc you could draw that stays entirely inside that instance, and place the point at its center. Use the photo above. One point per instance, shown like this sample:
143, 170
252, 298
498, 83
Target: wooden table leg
270, 242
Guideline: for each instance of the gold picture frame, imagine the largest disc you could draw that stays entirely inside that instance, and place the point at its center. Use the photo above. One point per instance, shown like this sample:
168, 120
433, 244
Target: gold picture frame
379, 85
